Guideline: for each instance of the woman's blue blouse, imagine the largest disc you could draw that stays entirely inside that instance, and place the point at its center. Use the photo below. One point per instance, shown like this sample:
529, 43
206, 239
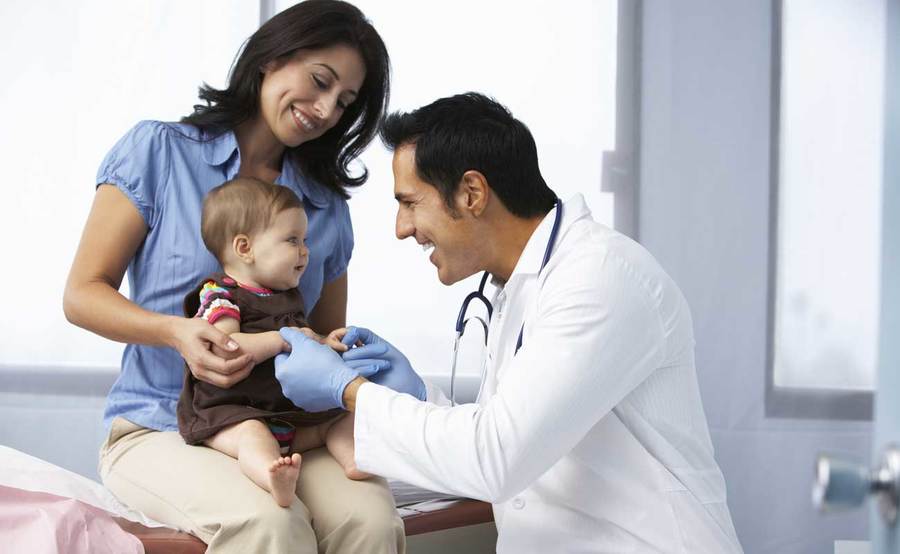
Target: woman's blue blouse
166, 169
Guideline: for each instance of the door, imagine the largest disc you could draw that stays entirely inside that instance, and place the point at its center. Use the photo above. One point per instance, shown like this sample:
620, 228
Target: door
839, 482
886, 536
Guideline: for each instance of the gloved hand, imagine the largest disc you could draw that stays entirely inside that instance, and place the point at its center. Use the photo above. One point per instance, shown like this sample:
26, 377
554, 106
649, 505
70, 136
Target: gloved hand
399, 375
313, 376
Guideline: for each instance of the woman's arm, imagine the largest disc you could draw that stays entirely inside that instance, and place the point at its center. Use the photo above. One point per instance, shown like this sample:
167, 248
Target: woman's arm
331, 310
113, 233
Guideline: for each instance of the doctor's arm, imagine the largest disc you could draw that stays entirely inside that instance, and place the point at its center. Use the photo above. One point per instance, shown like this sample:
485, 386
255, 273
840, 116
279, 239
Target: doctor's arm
592, 343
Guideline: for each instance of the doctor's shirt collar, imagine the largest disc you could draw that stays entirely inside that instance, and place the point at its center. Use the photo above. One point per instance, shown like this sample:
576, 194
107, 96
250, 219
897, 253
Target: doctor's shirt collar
530, 261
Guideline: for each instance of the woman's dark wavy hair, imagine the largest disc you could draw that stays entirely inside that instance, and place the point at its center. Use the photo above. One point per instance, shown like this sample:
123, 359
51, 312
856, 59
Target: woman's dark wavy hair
312, 24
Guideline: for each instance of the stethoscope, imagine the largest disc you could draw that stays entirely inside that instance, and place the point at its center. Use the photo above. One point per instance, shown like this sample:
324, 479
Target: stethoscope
462, 320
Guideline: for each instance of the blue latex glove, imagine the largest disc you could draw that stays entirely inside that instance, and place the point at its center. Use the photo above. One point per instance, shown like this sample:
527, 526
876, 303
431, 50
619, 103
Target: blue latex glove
313, 376
399, 375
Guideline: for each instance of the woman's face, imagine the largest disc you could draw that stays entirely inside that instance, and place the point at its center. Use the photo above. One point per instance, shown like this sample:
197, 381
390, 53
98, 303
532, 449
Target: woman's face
305, 95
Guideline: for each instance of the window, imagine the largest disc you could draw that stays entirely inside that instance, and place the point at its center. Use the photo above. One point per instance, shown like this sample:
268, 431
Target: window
77, 76
826, 243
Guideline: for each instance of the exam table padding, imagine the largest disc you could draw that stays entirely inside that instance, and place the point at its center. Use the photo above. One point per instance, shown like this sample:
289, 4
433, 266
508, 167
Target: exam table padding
163, 540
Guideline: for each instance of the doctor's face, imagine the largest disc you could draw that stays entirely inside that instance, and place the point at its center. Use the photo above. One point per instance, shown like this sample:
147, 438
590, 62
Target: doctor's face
450, 240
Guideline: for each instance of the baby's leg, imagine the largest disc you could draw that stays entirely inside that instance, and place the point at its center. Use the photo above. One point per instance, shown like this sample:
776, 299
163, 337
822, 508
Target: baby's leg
259, 456
339, 441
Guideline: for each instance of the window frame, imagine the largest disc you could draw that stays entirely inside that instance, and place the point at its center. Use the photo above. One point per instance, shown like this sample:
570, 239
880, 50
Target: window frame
621, 167
794, 402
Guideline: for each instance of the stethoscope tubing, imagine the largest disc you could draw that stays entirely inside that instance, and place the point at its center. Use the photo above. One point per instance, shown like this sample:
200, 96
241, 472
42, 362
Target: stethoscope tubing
461, 320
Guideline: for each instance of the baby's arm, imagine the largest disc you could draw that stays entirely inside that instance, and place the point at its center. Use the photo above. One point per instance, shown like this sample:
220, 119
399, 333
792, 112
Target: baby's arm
261, 346
218, 308
333, 339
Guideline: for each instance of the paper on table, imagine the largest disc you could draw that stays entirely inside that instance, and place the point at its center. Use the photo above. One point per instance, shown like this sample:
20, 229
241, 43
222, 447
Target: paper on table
32, 521
21, 471
426, 506
406, 494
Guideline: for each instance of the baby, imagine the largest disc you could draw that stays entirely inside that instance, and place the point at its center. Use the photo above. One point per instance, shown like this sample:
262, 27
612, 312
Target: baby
257, 231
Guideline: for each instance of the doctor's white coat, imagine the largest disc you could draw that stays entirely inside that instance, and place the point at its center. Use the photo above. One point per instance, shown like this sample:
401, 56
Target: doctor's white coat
592, 438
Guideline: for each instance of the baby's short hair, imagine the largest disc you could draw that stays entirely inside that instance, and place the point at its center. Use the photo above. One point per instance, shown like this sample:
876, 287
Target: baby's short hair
243, 205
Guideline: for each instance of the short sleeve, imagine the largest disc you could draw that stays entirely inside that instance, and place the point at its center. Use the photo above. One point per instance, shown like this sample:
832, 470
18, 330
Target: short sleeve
138, 165
216, 303
337, 262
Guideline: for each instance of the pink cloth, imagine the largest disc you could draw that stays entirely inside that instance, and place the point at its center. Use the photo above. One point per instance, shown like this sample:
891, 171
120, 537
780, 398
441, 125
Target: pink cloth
39, 523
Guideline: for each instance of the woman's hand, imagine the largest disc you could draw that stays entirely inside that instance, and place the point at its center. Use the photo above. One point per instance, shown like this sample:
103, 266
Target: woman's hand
196, 340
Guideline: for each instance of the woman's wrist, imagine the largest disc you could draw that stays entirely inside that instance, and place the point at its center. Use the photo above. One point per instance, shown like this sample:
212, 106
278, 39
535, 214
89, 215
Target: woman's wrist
164, 331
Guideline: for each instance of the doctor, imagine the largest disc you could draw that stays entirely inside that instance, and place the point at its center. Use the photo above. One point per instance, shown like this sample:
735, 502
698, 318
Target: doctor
589, 434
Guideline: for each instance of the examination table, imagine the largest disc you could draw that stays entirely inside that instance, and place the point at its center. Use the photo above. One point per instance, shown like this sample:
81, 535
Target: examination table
75, 400
162, 540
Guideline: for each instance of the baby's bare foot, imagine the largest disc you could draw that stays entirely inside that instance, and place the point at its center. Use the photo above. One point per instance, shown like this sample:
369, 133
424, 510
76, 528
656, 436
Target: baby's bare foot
283, 474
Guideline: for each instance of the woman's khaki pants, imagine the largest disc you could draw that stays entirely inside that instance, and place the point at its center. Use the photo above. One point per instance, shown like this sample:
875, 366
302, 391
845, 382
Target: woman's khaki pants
203, 491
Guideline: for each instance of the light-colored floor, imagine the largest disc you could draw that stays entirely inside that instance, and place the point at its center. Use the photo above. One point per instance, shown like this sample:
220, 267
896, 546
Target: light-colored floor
852, 547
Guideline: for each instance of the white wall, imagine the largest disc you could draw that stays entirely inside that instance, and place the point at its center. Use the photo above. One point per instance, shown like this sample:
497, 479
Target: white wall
704, 213
77, 75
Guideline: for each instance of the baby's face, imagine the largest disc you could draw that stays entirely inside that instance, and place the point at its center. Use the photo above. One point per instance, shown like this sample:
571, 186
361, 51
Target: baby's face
280, 254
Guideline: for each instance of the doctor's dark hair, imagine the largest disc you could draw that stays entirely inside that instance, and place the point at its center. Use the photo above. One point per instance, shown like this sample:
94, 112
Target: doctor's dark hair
309, 25
473, 132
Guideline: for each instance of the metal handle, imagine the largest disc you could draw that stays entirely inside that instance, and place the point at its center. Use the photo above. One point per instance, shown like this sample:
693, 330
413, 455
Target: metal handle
841, 484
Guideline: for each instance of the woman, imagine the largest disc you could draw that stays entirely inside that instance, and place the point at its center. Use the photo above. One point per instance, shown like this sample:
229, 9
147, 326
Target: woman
304, 98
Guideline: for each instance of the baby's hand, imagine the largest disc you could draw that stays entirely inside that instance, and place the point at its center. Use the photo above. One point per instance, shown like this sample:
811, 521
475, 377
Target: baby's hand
286, 347
334, 340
